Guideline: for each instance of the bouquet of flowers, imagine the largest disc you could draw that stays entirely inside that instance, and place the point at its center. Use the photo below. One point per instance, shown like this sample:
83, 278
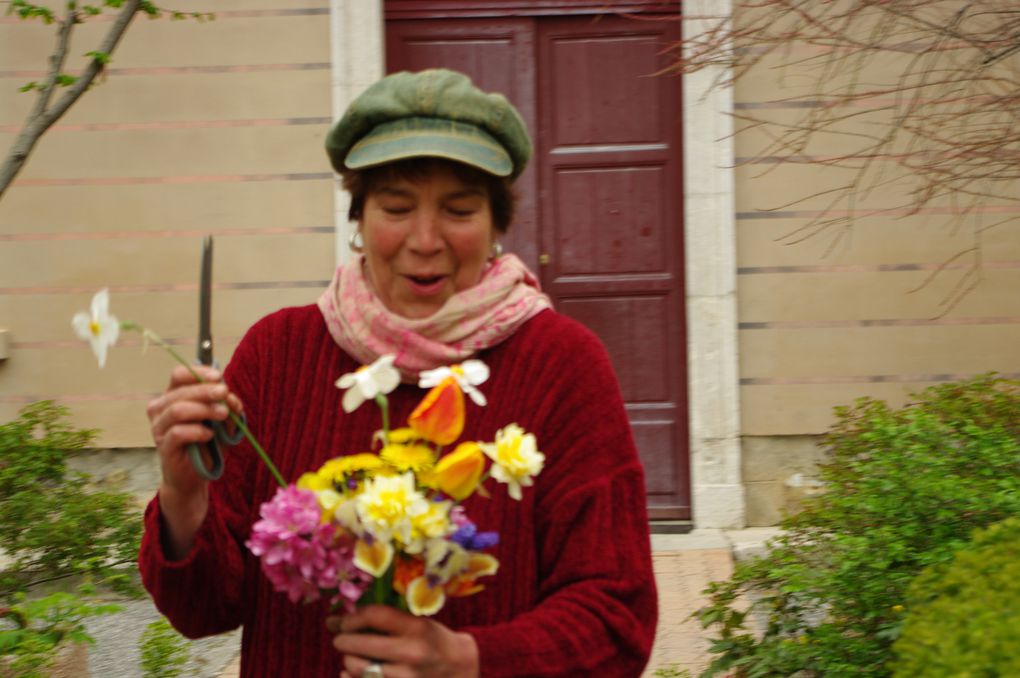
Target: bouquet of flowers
385, 526
388, 526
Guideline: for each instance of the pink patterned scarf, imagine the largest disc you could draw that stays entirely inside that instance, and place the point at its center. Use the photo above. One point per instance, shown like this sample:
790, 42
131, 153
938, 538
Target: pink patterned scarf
471, 320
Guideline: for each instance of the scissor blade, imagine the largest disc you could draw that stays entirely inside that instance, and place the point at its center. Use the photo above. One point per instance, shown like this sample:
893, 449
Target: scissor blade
205, 347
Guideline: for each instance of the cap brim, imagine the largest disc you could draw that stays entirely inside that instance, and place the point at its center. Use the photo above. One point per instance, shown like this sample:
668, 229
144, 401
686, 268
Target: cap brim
430, 137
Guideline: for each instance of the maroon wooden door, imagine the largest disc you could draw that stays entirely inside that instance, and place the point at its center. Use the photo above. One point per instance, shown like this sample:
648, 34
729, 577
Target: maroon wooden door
601, 212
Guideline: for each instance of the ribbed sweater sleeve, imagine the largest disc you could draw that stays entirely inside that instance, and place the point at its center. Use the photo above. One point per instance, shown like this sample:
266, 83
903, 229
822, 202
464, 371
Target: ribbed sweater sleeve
596, 610
203, 593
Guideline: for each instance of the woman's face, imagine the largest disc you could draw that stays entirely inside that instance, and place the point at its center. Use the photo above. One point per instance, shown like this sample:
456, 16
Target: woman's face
425, 239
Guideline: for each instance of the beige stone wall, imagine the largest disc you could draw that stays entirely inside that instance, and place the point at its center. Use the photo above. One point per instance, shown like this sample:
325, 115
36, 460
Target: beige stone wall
829, 313
199, 128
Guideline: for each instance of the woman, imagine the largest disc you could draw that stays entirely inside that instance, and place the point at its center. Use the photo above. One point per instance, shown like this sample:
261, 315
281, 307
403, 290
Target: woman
428, 159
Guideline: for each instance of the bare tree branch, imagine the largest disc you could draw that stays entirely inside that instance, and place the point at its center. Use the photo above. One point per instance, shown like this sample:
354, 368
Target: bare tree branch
921, 97
41, 120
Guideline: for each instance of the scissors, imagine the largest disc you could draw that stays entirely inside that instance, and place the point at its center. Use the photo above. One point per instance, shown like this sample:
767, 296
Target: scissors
205, 357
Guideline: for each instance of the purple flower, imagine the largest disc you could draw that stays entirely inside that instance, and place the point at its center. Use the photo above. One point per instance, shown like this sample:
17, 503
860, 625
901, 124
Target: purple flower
471, 539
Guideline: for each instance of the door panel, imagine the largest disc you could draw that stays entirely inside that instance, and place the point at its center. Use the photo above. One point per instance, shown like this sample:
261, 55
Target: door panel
601, 199
611, 221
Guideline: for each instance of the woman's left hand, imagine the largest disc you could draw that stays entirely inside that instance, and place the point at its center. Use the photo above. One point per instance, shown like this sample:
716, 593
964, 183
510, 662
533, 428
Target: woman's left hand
407, 646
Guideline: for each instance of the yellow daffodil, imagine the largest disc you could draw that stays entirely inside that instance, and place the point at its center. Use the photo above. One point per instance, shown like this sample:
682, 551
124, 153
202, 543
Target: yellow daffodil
457, 473
387, 505
373, 556
424, 599
448, 570
98, 326
368, 381
468, 374
439, 418
465, 583
515, 458
329, 499
432, 523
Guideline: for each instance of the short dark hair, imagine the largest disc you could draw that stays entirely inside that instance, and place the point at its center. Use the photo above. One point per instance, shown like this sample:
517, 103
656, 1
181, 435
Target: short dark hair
359, 183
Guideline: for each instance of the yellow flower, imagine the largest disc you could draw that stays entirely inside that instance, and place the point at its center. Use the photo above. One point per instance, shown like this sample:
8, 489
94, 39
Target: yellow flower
432, 523
457, 473
423, 599
329, 499
408, 457
373, 556
313, 482
464, 584
439, 417
387, 505
515, 458
335, 472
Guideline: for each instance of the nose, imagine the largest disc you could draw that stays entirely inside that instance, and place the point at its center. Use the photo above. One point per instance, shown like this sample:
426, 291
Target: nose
426, 237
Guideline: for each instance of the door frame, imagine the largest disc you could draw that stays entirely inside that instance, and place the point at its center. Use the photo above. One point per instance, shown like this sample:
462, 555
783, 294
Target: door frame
717, 491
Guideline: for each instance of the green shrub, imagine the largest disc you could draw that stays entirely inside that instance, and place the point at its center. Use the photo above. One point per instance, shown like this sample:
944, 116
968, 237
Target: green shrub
904, 490
164, 651
54, 523
963, 618
33, 628
58, 530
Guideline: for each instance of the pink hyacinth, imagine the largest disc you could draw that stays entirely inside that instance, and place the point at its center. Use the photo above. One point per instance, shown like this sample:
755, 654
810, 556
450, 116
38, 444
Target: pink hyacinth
301, 556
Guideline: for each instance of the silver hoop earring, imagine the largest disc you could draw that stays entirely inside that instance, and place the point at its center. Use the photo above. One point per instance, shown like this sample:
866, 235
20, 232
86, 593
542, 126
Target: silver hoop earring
496, 251
355, 242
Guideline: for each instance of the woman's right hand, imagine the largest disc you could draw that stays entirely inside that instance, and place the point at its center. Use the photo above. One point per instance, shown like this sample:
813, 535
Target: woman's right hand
176, 419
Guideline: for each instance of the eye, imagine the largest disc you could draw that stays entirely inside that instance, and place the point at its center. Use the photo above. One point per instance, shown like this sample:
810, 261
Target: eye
395, 208
464, 208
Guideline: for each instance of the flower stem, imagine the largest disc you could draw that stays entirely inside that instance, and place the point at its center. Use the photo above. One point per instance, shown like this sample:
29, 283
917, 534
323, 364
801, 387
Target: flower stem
384, 407
149, 335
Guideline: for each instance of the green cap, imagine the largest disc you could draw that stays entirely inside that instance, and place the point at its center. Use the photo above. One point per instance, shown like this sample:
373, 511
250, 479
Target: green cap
437, 113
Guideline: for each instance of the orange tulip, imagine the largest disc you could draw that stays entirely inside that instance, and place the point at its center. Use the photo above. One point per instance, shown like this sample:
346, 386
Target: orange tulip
439, 418
457, 474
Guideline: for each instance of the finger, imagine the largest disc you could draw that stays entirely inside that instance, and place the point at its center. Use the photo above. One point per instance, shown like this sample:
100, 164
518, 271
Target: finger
204, 393
186, 412
380, 618
181, 375
356, 666
333, 623
182, 435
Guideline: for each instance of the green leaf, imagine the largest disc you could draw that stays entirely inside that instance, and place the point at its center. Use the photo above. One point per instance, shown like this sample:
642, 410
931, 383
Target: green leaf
101, 57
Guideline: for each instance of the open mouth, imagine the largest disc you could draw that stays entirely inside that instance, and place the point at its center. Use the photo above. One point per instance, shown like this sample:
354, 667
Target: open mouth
425, 281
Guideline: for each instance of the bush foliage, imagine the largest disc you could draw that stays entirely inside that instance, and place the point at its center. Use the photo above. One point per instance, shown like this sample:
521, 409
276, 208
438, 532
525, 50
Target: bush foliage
58, 531
904, 490
962, 619
164, 651
54, 522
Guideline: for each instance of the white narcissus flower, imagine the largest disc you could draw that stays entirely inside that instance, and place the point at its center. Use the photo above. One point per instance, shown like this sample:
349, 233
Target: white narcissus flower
368, 381
515, 458
468, 374
98, 327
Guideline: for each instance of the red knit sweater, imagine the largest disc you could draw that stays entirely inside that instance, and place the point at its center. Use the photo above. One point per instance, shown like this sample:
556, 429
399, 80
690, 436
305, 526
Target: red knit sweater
574, 595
